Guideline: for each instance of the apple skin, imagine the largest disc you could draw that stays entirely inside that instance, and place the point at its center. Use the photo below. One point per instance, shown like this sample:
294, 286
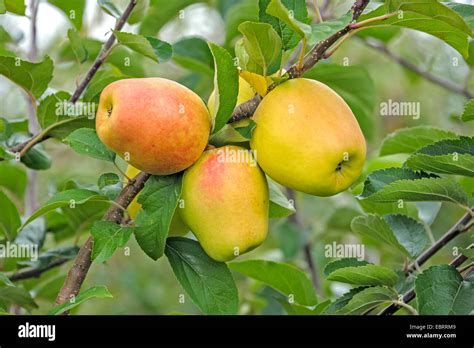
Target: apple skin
155, 124
246, 92
225, 203
308, 139
177, 226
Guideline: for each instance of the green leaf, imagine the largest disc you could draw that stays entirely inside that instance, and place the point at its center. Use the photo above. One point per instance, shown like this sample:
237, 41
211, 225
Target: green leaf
346, 262
468, 113
5, 129
92, 46
441, 290
4, 280
86, 142
108, 179
342, 300
48, 109
428, 16
9, 217
108, 236
33, 234
94, 292
401, 232
61, 117
102, 78
299, 16
280, 206
209, 283
160, 12
368, 299
13, 178
321, 31
150, 47
3, 9
431, 8
379, 179
277, 9
468, 252
364, 275
71, 197
466, 11
36, 158
73, 9
77, 46
450, 156
296, 309
109, 8
193, 53
138, 12
247, 131
262, 47
159, 199
5, 36
15, 6
17, 295
400, 184
408, 140
226, 84
354, 85
240, 12
410, 233
32, 77
287, 279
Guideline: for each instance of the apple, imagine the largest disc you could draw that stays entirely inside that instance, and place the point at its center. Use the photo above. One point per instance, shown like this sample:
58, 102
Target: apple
308, 139
155, 124
225, 202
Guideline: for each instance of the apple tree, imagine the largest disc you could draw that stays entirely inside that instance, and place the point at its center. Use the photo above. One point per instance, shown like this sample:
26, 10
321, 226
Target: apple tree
353, 195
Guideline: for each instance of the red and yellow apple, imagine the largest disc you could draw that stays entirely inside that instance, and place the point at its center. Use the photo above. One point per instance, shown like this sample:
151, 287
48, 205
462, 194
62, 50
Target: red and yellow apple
155, 124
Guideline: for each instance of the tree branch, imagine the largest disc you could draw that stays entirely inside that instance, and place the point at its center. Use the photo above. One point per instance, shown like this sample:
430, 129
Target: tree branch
82, 263
104, 52
446, 84
33, 32
27, 273
410, 294
307, 249
453, 232
33, 125
246, 110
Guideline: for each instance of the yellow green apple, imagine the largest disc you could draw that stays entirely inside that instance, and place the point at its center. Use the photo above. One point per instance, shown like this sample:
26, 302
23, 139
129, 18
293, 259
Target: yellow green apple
225, 202
308, 139
157, 125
